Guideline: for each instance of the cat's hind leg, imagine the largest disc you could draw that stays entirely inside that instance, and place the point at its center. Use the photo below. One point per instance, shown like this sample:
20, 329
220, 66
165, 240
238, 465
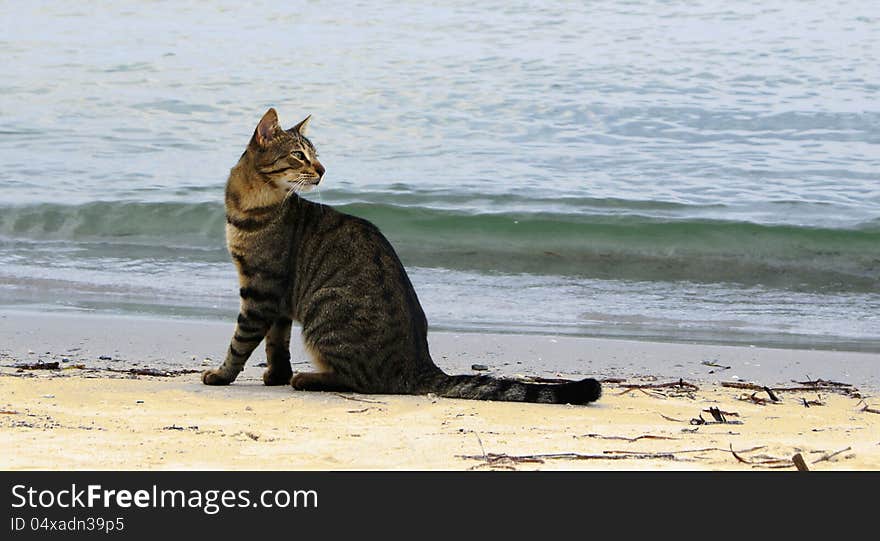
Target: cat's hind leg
278, 353
318, 381
325, 379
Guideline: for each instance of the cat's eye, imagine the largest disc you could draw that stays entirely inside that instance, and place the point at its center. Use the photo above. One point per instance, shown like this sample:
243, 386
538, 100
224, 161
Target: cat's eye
298, 155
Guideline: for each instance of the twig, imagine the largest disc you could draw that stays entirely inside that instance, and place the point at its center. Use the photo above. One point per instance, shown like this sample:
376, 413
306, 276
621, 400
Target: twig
480, 441
722, 412
151, 371
356, 399
843, 390
772, 396
500, 460
495, 464
833, 386
742, 385
719, 419
764, 461
539, 379
135, 371
624, 438
867, 409
715, 365
817, 402
754, 398
680, 384
832, 455
495, 458
703, 450
736, 456
824, 383
540, 458
643, 391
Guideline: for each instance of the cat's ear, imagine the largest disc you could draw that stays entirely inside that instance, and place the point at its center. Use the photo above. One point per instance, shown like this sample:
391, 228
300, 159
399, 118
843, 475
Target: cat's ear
302, 126
266, 129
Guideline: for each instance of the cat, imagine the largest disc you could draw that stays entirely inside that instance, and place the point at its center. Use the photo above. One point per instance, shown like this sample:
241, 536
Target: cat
340, 279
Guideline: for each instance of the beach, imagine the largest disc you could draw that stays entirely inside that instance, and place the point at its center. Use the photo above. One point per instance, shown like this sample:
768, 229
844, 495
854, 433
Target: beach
81, 391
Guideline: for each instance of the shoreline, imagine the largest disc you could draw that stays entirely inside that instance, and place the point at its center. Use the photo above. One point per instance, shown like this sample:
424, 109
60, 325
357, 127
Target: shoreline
124, 342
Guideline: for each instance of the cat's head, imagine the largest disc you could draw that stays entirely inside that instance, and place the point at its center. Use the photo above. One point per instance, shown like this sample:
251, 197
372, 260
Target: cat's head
285, 159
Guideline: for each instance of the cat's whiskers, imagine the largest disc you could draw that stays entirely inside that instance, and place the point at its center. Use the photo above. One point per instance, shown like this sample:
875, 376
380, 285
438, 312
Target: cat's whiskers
320, 198
290, 191
286, 197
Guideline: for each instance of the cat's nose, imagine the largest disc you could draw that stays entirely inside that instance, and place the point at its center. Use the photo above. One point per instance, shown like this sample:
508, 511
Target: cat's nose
320, 170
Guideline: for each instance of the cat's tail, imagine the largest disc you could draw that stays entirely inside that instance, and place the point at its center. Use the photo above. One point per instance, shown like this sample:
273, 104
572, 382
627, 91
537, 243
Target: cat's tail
489, 388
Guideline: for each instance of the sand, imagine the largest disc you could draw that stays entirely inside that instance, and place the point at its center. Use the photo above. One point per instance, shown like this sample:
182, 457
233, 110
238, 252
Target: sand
82, 416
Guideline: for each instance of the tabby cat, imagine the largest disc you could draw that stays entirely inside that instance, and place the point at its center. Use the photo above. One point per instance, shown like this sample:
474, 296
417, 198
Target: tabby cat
340, 279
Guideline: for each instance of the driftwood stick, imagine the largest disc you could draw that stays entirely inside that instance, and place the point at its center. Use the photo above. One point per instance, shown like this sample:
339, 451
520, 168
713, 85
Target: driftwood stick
36, 366
799, 462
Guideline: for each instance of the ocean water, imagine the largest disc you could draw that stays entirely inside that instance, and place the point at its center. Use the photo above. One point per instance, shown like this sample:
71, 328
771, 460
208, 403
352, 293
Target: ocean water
702, 171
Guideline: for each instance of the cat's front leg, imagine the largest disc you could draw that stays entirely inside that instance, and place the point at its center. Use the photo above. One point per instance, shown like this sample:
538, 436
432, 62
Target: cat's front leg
249, 332
278, 353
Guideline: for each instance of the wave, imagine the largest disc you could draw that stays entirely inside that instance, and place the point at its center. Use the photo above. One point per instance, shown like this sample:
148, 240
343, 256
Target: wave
595, 244
169, 223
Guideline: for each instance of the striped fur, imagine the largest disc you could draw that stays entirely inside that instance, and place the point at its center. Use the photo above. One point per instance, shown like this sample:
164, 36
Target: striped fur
340, 279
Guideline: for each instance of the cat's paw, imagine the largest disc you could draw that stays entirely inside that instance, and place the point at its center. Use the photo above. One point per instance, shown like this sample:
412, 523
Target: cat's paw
276, 377
297, 381
215, 377
307, 381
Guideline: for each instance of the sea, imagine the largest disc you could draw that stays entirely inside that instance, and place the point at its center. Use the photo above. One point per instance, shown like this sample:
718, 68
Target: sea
700, 171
